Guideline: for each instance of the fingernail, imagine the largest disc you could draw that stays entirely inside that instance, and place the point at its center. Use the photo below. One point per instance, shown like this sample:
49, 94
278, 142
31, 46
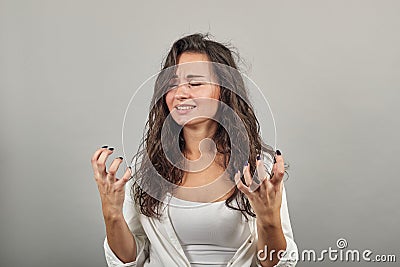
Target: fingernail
120, 157
111, 148
104, 146
278, 152
258, 157
246, 163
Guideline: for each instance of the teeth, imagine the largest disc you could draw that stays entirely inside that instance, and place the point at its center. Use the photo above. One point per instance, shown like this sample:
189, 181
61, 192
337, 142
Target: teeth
184, 107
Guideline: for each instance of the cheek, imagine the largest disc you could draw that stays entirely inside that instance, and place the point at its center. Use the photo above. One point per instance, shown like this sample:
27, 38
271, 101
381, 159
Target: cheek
216, 92
169, 99
213, 92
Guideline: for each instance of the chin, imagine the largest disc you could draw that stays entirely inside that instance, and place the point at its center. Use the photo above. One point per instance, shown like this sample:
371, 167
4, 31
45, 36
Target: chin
194, 122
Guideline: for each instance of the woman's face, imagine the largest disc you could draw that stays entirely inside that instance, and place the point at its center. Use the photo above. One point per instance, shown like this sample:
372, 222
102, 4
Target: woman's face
193, 94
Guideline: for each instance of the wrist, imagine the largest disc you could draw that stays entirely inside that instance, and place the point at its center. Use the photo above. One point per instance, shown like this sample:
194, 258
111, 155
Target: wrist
112, 214
113, 217
270, 223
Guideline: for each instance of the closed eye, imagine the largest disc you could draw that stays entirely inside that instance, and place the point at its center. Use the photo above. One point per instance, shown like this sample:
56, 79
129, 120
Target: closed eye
196, 83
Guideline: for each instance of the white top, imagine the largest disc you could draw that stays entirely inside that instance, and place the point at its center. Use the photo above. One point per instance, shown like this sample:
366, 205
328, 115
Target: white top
158, 245
209, 233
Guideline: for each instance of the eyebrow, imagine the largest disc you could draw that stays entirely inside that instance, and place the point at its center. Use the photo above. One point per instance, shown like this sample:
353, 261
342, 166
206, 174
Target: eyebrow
189, 76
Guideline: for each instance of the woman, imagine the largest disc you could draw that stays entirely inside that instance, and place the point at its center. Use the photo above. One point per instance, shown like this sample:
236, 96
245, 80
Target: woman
195, 200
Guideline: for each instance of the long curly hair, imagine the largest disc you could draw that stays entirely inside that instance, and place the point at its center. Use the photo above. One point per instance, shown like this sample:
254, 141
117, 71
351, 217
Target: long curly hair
154, 173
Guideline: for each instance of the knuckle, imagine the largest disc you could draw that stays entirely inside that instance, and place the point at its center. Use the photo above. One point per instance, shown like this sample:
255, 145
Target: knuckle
241, 186
101, 164
118, 189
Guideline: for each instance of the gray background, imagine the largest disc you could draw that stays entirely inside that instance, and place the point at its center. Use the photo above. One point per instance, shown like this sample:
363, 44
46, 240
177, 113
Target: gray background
330, 70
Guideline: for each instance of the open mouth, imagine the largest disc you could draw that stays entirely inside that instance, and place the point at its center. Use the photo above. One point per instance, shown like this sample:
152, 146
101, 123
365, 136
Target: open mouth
184, 109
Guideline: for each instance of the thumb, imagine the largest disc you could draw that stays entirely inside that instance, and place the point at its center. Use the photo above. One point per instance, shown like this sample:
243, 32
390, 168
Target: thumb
127, 176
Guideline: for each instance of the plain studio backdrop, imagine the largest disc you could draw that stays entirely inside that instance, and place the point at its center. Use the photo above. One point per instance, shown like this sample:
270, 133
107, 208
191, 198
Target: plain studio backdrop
330, 70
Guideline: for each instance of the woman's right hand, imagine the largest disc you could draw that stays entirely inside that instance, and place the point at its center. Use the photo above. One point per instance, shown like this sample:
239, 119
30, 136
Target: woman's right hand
111, 189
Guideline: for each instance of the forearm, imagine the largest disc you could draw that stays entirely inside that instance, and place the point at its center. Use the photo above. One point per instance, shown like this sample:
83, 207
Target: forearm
272, 239
120, 238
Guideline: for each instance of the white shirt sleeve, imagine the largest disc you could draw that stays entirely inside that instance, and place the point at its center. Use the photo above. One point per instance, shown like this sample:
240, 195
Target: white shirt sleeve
112, 260
290, 257
131, 216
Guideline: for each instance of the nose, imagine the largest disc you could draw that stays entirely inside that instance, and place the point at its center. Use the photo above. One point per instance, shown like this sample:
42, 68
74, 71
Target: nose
182, 91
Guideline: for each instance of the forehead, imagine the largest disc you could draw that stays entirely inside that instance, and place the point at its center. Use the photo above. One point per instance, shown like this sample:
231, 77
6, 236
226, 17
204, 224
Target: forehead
191, 57
193, 64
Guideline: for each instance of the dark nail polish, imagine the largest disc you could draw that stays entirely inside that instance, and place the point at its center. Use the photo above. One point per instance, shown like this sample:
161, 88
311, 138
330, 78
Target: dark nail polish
258, 157
120, 157
246, 163
278, 152
104, 146
111, 148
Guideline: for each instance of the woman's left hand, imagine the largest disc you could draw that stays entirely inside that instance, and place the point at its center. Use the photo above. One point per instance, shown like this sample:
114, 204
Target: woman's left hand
265, 198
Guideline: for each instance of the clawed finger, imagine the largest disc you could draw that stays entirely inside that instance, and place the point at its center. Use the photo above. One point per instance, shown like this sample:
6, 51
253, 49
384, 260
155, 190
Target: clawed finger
261, 171
95, 158
101, 162
247, 175
124, 179
113, 169
242, 187
278, 169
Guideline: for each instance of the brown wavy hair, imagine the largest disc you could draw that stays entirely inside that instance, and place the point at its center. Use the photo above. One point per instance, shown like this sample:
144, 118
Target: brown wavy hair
154, 173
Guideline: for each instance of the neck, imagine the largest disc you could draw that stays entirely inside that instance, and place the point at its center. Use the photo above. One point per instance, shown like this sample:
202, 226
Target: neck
193, 135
